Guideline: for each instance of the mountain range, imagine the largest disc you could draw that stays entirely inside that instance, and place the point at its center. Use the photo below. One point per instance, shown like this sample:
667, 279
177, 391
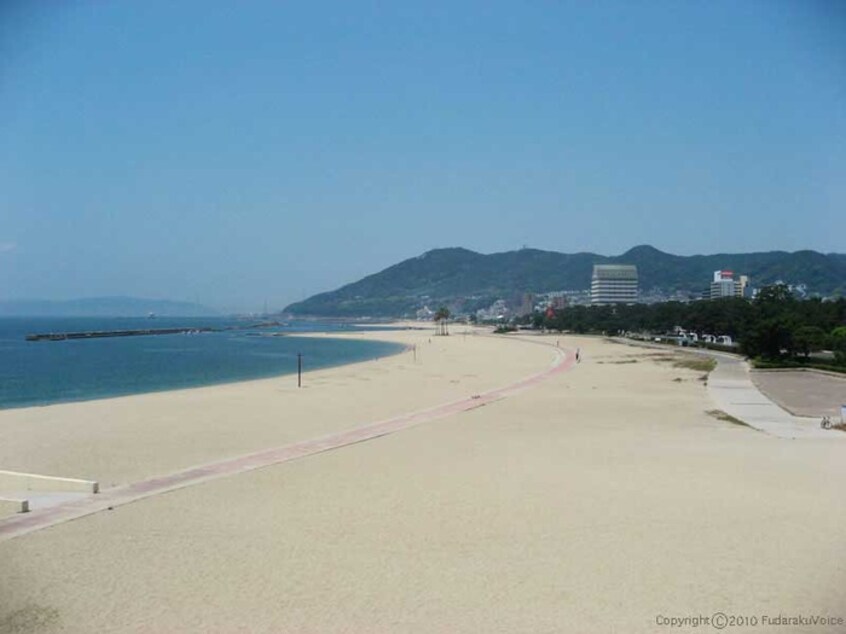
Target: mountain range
465, 280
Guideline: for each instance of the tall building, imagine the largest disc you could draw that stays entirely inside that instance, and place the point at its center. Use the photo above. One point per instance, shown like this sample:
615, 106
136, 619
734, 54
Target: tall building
724, 285
613, 284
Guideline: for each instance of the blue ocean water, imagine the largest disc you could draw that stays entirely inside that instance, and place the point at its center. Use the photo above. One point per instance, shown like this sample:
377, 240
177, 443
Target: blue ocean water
43, 372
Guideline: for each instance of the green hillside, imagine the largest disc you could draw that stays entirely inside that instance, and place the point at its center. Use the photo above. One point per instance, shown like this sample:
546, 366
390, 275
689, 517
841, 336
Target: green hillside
467, 280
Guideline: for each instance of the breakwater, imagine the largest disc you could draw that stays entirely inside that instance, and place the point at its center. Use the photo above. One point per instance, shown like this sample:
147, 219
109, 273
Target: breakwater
97, 334
137, 332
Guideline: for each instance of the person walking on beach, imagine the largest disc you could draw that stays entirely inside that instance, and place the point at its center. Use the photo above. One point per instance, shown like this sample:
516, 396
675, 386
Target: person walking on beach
578, 358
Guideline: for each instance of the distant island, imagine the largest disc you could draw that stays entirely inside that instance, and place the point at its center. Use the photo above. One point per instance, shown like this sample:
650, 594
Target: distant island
104, 307
466, 281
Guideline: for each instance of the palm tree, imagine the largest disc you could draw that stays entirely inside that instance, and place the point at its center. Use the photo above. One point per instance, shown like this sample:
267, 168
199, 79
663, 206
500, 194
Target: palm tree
441, 321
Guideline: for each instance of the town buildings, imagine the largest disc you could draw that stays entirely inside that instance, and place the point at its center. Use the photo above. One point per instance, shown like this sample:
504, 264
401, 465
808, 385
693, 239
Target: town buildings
425, 313
498, 311
527, 304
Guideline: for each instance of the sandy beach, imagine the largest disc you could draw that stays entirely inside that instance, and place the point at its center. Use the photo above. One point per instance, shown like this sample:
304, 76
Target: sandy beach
123, 439
603, 499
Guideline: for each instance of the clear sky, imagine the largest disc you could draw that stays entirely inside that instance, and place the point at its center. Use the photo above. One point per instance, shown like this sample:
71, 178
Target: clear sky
234, 153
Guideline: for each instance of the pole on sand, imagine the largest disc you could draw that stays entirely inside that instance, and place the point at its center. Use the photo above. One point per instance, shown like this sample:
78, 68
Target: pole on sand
299, 369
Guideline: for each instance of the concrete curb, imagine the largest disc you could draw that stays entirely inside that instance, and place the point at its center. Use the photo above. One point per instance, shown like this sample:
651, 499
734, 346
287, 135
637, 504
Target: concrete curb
17, 481
836, 375
11, 506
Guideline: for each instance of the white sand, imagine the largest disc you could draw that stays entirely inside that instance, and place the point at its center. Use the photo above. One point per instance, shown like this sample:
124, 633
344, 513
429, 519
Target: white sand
593, 503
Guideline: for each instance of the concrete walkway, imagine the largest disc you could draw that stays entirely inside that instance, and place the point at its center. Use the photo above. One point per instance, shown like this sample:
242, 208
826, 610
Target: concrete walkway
732, 389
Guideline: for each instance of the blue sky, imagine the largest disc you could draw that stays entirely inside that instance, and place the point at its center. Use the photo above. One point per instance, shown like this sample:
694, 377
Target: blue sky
235, 153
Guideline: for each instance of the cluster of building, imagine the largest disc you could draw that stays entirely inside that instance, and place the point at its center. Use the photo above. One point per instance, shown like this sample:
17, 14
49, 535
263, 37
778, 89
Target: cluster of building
618, 284
529, 303
425, 314
498, 311
610, 284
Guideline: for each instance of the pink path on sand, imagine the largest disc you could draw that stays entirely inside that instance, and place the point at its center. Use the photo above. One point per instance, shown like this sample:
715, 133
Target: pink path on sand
24, 523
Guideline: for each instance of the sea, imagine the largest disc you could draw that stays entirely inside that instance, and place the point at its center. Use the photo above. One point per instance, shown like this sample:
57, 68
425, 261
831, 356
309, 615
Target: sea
46, 372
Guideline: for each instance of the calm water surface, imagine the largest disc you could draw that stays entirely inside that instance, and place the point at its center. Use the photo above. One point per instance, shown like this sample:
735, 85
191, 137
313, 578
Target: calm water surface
43, 372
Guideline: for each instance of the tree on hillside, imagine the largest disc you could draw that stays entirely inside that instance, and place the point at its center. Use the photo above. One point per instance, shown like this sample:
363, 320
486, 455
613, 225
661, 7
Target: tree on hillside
441, 321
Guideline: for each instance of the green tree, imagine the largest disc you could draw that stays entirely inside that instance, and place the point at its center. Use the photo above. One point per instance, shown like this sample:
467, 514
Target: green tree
537, 320
771, 339
838, 344
809, 339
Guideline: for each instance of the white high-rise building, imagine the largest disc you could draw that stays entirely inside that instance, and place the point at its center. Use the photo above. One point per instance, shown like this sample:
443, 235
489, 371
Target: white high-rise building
614, 284
724, 285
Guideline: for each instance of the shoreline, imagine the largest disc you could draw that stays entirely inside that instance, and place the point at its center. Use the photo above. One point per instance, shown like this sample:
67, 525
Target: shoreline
213, 383
125, 438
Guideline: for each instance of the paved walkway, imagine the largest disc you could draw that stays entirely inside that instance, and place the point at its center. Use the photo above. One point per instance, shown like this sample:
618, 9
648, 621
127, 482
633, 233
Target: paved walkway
24, 523
732, 390
731, 387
